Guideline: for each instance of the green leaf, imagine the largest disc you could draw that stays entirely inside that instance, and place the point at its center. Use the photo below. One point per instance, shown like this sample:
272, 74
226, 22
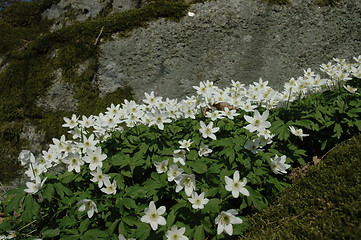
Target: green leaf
358, 124
213, 206
131, 220
51, 233
192, 155
84, 225
256, 199
112, 226
31, 208
70, 237
48, 191
95, 234
122, 227
67, 222
15, 202
338, 130
171, 218
129, 203
142, 232
198, 166
281, 130
199, 233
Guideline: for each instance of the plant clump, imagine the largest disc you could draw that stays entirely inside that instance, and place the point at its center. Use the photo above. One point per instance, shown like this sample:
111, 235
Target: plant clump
194, 168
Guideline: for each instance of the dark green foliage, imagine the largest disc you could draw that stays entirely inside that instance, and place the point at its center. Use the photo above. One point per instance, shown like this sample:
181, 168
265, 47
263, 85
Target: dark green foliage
325, 204
330, 117
277, 2
21, 23
323, 3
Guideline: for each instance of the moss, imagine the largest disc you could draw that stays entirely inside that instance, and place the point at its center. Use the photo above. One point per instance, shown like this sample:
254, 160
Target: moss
277, 2
21, 23
325, 204
30, 67
9, 150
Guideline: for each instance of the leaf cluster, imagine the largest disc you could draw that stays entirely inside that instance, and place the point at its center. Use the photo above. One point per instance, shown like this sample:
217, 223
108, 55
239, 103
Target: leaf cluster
329, 117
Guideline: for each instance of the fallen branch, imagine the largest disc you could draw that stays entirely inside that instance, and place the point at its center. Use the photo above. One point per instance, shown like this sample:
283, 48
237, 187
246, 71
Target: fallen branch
100, 33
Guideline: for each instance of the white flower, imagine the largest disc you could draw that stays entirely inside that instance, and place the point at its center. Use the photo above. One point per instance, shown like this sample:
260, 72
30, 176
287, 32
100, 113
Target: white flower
247, 106
71, 123
88, 143
204, 150
26, 157
257, 122
153, 216
235, 185
94, 158
34, 187
89, 206
230, 113
99, 177
191, 14
208, 131
152, 100
214, 115
74, 162
186, 181
173, 172
159, 118
198, 201
176, 234
110, 188
35, 170
297, 132
278, 164
185, 144
86, 122
161, 166
350, 89
179, 156
253, 145
225, 221
11, 235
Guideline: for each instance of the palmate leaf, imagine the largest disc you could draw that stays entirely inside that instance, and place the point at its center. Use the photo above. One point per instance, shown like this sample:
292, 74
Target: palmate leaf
337, 130
50, 233
95, 234
280, 129
48, 191
197, 166
199, 233
31, 209
15, 202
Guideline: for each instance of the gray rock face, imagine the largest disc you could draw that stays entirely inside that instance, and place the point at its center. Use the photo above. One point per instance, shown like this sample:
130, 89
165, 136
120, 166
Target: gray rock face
59, 97
230, 39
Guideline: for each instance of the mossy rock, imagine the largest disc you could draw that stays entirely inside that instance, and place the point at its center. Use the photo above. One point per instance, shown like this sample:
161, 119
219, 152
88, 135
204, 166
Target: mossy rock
31, 56
323, 204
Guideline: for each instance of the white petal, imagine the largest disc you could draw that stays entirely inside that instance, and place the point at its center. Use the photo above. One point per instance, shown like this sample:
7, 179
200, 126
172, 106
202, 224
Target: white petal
229, 229
219, 229
244, 191
161, 221
154, 225
236, 176
161, 210
235, 193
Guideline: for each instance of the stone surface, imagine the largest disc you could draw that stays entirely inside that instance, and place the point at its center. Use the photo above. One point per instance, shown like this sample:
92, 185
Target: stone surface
230, 39
59, 97
67, 12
